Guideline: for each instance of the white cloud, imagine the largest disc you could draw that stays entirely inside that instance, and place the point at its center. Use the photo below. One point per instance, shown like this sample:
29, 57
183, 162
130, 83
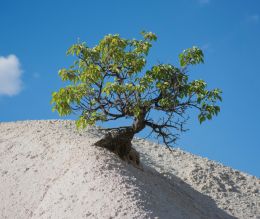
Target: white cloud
10, 75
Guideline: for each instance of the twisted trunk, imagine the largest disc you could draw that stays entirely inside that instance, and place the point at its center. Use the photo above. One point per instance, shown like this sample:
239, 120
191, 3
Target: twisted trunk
119, 140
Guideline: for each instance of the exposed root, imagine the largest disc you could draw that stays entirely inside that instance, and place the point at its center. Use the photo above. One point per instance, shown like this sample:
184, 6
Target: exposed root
119, 142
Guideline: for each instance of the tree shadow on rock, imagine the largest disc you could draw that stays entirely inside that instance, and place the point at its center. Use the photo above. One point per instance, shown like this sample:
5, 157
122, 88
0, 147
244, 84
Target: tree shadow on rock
171, 197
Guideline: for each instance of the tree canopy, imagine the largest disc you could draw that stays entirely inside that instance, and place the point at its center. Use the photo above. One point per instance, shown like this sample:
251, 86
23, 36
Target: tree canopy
109, 81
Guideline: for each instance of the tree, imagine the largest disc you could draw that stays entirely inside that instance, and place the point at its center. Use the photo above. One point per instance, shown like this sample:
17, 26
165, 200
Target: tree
109, 82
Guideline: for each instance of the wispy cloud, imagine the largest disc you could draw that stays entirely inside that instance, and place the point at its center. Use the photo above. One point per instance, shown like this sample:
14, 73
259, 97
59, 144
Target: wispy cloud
10, 75
203, 2
253, 18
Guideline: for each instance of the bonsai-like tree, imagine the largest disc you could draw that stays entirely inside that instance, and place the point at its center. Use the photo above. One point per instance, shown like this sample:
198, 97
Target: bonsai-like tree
109, 81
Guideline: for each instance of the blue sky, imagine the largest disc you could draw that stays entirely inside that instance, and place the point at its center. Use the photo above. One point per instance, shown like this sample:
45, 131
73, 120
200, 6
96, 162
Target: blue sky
36, 34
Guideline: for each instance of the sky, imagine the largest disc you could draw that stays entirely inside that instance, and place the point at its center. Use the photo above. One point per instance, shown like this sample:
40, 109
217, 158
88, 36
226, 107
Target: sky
34, 37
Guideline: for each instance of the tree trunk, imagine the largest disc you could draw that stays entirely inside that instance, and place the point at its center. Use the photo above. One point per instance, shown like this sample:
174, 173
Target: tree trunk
119, 142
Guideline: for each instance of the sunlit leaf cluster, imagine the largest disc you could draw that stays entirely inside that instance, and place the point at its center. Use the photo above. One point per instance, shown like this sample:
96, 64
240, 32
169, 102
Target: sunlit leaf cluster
111, 81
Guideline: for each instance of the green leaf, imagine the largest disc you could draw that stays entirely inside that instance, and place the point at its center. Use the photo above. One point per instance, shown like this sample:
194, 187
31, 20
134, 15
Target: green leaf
201, 118
111, 80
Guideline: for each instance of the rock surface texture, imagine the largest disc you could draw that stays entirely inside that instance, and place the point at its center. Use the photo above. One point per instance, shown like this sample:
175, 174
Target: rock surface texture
48, 169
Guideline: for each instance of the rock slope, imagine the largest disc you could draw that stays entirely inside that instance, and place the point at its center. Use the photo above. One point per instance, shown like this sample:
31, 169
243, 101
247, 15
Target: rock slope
48, 169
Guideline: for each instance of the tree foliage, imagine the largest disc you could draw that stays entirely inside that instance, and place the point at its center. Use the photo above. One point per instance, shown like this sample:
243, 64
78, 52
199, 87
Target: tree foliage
109, 81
